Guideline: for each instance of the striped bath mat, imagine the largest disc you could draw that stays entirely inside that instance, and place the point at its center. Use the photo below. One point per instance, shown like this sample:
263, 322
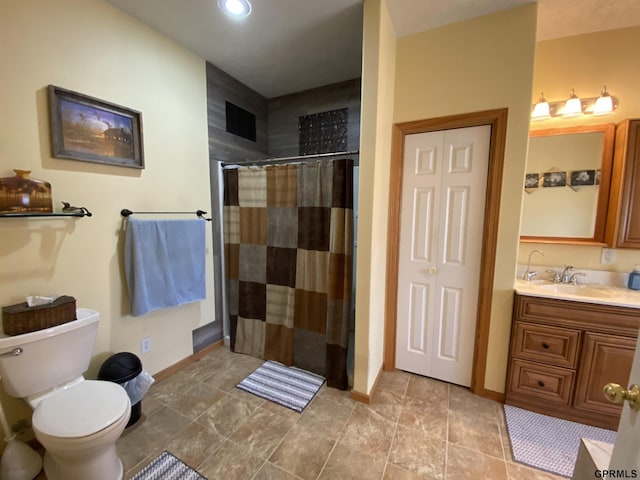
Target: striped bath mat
167, 467
291, 387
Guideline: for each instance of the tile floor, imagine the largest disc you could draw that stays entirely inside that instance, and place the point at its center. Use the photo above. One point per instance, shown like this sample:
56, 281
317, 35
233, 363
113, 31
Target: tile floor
415, 428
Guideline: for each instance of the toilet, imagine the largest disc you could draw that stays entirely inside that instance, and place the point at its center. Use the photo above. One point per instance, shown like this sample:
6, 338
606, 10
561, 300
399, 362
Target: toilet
77, 421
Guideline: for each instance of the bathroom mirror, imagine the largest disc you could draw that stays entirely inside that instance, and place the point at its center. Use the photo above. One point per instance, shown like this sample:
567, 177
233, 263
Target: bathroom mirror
567, 185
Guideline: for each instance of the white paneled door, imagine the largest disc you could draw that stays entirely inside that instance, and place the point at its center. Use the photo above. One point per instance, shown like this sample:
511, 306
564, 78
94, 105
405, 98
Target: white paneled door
442, 213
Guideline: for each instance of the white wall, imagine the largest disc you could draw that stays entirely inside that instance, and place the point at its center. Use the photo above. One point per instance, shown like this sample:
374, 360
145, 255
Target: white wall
90, 47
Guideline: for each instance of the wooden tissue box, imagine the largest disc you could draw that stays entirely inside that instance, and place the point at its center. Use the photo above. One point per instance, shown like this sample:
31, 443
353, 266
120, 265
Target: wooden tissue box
21, 318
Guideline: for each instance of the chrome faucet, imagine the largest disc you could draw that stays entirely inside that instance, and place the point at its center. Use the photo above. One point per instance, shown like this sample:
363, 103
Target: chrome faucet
528, 274
555, 276
573, 280
566, 276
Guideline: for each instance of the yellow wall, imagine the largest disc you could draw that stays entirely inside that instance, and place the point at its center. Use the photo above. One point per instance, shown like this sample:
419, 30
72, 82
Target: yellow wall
475, 65
480, 64
90, 47
585, 63
378, 76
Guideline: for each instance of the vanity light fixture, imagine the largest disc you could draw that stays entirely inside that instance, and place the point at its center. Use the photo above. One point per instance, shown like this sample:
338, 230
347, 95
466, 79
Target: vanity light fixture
574, 106
541, 110
235, 8
604, 103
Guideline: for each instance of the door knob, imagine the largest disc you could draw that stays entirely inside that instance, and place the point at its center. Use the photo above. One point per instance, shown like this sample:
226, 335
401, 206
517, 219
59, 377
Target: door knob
616, 394
433, 270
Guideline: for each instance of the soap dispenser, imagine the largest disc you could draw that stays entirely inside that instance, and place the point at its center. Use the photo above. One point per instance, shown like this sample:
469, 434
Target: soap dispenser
634, 278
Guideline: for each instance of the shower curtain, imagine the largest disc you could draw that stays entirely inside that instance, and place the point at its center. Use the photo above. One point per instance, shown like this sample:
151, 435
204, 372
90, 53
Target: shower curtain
288, 233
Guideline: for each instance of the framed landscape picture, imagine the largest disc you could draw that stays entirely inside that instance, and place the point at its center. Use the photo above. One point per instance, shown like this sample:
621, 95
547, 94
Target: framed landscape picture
92, 130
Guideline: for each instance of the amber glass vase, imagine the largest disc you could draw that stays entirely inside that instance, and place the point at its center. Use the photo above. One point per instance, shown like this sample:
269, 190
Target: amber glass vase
23, 194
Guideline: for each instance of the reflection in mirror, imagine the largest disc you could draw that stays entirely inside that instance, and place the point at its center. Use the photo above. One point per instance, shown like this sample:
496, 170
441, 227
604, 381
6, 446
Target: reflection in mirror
556, 163
567, 185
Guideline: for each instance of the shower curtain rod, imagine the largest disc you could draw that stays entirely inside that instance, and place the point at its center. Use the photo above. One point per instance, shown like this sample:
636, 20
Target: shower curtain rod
297, 158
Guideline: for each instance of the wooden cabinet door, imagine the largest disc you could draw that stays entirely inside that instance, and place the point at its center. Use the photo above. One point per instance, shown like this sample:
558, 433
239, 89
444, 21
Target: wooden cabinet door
628, 151
605, 359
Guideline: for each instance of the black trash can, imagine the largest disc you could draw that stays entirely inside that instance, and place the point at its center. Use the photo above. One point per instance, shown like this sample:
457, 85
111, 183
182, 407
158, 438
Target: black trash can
121, 368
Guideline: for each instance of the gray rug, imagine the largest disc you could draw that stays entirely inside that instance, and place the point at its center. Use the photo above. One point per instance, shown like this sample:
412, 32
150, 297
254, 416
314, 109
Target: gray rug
168, 467
290, 387
549, 443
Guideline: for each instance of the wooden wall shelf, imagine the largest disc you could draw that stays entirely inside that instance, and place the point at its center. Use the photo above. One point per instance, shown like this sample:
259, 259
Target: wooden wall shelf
77, 212
33, 215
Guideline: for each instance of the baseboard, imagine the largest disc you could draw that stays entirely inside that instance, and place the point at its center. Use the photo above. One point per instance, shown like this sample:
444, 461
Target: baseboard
491, 395
366, 397
205, 335
360, 397
167, 372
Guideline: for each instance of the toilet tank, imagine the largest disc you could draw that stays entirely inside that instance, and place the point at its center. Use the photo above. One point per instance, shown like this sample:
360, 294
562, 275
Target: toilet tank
49, 357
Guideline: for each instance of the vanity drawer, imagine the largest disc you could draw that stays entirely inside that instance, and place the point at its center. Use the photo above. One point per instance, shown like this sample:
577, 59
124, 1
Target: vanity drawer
542, 382
542, 343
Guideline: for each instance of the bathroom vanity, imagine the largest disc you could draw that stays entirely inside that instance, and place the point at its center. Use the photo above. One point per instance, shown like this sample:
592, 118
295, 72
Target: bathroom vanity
566, 345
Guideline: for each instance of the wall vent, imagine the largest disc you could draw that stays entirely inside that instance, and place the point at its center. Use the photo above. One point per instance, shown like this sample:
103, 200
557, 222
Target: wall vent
240, 122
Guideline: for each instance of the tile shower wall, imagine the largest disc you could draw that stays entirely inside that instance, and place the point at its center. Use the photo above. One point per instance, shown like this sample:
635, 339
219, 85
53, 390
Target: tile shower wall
221, 88
284, 114
277, 119
324, 132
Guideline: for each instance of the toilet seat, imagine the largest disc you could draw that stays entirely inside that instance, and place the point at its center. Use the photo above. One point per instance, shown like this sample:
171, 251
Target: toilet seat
81, 410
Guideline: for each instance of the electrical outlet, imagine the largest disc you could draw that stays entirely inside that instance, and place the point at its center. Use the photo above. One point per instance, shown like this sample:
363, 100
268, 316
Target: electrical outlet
607, 256
145, 345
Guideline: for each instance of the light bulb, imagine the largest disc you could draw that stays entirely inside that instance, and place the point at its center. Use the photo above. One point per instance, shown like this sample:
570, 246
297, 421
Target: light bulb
541, 110
604, 103
236, 8
573, 106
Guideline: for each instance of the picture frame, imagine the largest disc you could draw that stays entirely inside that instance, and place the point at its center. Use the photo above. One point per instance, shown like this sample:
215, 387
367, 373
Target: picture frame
531, 180
554, 179
581, 178
92, 130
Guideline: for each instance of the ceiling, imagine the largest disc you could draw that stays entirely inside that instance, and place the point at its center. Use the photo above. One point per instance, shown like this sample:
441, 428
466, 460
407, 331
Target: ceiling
287, 46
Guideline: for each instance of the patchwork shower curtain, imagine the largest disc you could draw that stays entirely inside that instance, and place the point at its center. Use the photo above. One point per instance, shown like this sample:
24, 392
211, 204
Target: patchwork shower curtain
288, 259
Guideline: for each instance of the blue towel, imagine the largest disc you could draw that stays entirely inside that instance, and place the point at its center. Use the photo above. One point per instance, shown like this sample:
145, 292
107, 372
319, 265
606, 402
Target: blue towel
164, 263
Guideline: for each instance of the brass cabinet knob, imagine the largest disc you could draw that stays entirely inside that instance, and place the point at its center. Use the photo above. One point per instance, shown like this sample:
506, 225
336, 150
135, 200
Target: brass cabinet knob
616, 394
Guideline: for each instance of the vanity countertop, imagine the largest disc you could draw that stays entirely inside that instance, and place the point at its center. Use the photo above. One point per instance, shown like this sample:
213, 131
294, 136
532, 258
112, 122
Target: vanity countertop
589, 293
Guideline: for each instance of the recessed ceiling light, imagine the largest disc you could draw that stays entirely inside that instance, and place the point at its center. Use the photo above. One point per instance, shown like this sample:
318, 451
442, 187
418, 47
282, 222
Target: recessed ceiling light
235, 8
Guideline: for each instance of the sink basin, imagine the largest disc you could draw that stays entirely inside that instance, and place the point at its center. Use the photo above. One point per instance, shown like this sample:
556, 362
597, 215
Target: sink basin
594, 291
533, 283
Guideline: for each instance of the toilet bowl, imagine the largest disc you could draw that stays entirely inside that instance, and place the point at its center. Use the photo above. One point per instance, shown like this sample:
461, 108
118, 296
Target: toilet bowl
78, 427
77, 421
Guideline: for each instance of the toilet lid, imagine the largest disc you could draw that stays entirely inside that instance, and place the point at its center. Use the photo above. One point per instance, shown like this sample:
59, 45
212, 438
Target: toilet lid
81, 410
